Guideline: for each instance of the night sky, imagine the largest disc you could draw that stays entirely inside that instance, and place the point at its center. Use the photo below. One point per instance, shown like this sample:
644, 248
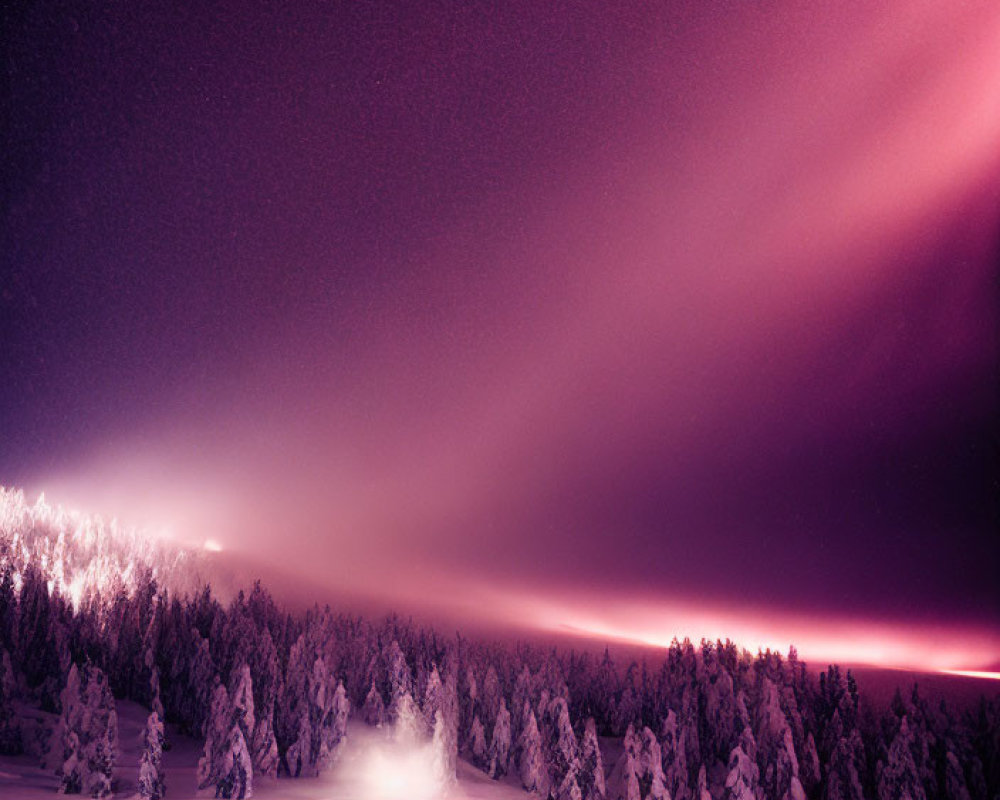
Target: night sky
632, 318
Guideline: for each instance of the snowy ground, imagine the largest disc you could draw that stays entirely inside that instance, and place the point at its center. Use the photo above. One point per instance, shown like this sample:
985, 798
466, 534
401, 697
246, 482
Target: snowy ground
371, 769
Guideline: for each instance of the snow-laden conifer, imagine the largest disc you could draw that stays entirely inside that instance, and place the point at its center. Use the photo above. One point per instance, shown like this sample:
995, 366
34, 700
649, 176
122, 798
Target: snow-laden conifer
743, 777
623, 783
373, 711
477, 743
151, 783
898, 778
591, 778
11, 743
673, 752
531, 766
498, 756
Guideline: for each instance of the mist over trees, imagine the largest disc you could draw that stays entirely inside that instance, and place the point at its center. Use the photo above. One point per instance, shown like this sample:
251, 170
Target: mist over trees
270, 693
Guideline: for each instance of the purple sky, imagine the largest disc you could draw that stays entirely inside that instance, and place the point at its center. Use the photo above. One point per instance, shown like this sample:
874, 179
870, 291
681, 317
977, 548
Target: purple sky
567, 314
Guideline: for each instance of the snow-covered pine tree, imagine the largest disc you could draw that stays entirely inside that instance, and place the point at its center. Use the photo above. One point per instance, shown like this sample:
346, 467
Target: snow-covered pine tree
100, 739
241, 698
266, 686
721, 715
477, 743
216, 732
469, 705
400, 678
226, 764
701, 790
650, 768
409, 724
591, 778
623, 783
71, 767
568, 789
775, 748
809, 769
291, 717
490, 697
297, 757
151, 783
11, 743
88, 734
955, 787
562, 751
237, 768
520, 696
156, 701
373, 712
674, 755
743, 779
498, 755
898, 778
197, 699
450, 712
433, 698
444, 771
323, 741
335, 734
531, 766
264, 746
843, 781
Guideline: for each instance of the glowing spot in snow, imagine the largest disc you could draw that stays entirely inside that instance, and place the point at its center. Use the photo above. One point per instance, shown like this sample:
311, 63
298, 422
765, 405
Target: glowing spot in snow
212, 546
402, 774
388, 763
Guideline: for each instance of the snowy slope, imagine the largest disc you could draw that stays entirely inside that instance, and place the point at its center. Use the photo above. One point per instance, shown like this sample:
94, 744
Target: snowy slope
22, 779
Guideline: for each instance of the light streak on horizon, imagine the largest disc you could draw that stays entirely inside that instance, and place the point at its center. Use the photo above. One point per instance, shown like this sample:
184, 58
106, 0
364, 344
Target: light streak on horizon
859, 643
972, 673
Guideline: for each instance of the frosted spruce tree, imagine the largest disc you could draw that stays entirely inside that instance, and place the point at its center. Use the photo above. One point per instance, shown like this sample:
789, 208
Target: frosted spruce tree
477, 743
623, 783
373, 711
498, 755
898, 778
743, 778
226, 763
775, 748
10, 730
266, 686
335, 726
400, 678
701, 789
433, 698
674, 757
844, 771
650, 768
562, 751
531, 764
151, 783
409, 722
469, 701
443, 770
88, 733
71, 766
591, 778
